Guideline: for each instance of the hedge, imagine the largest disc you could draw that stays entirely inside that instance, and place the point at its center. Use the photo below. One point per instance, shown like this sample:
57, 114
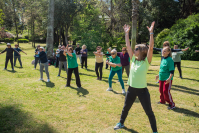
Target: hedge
23, 40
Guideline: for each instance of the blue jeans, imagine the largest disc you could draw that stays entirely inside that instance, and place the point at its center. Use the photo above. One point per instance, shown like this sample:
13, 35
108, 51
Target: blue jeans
19, 59
119, 73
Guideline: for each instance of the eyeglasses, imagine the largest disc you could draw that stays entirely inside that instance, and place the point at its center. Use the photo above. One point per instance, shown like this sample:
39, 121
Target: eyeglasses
165, 45
123, 50
136, 49
112, 53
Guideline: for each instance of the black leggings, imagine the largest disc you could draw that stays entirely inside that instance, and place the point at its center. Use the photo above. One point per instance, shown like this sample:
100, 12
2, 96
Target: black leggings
11, 61
84, 59
144, 97
99, 66
69, 76
179, 67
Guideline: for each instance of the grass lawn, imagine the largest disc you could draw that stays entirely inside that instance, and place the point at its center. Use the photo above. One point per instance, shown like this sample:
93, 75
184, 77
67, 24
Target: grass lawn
29, 105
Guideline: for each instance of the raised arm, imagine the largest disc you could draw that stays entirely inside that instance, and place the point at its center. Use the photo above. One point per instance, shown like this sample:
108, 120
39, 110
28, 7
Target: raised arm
24, 52
113, 64
129, 49
3, 51
151, 42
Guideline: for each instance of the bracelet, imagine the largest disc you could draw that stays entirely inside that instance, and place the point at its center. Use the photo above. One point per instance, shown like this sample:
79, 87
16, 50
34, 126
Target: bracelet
151, 33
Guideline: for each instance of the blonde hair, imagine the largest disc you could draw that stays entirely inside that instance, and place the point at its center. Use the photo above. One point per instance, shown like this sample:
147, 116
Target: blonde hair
114, 51
143, 50
84, 46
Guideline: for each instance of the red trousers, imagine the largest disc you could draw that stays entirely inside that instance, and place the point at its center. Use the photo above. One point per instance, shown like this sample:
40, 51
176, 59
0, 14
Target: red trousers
165, 95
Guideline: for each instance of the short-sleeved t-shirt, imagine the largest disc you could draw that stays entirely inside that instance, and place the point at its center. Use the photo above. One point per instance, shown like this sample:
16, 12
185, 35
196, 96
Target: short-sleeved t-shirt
166, 65
137, 77
116, 60
18, 50
72, 61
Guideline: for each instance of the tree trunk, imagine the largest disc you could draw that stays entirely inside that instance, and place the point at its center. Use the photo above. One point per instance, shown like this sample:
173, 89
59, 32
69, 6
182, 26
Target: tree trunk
15, 20
134, 23
34, 32
66, 34
60, 37
50, 29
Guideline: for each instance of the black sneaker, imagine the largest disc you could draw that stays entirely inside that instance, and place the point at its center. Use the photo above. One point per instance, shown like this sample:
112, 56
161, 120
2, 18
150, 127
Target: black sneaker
181, 77
118, 126
170, 107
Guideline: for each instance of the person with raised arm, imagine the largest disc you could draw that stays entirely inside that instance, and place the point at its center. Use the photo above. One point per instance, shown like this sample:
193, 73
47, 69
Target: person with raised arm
116, 67
84, 56
72, 67
57, 56
99, 62
107, 56
78, 50
17, 56
9, 55
141, 58
62, 60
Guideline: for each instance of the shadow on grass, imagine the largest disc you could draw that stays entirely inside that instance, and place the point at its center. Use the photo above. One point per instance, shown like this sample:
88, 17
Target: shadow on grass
49, 84
13, 120
11, 71
18, 67
90, 70
87, 75
190, 67
80, 91
191, 79
186, 112
130, 130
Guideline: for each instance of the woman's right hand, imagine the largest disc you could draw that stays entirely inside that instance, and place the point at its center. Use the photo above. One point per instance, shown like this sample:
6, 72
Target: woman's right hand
157, 76
126, 28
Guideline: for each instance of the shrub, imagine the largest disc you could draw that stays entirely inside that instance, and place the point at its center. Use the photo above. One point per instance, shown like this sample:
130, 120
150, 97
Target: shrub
8, 40
23, 40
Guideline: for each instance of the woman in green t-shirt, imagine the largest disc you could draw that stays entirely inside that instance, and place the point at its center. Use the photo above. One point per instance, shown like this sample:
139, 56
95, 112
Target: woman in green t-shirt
72, 66
116, 67
141, 58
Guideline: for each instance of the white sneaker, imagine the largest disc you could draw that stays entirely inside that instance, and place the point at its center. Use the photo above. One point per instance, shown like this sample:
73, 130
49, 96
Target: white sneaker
109, 89
48, 80
40, 79
123, 91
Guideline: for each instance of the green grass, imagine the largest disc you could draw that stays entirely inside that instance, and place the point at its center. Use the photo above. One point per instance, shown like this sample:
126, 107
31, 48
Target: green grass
29, 105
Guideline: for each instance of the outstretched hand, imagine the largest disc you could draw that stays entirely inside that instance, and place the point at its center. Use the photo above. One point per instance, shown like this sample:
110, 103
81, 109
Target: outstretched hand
152, 27
126, 28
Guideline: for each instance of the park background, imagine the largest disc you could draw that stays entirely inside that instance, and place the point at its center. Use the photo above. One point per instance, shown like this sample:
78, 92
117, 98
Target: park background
27, 105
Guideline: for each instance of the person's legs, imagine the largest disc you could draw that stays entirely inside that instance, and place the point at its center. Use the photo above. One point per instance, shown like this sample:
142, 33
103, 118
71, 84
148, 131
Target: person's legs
11, 62
60, 67
41, 70
46, 70
36, 61
175, 63
119, 73
65, 65
15, 58
69, 76
144, 97
86, 62
100, 70
82, 61
127, 68
6, 62
106, 66
167, 94
123, 69
57, 61
129, 100
179, 68
96, 69
112, 73
161, 85
19, 59
78, 82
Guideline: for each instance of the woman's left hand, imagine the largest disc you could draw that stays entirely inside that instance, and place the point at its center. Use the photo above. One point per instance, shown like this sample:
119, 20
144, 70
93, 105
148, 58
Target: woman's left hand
167, 81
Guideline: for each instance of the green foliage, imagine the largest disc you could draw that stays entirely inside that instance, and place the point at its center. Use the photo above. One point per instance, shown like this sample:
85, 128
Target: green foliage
2, 16
8, 40
185, 33
23, 40
161, 38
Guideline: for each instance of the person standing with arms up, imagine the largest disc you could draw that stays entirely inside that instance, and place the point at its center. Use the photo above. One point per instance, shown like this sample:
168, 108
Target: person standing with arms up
9, 55
43, 63
17, 56
84, 56
78, 54
141, 58
57, 56
63, 60
37, 59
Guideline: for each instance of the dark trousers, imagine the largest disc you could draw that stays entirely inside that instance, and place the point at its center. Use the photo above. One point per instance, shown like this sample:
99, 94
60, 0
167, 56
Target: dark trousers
107, 66
37, 60
98, 68
84, 60
57, 61
19, 59
69, 76
179, 67
144, 97
11, 61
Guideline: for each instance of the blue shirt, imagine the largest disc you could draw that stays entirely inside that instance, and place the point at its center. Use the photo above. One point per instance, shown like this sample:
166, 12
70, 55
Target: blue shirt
18, 50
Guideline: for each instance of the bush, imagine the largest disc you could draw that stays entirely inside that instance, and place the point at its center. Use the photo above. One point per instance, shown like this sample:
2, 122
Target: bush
8, 40
185, 33
23, 40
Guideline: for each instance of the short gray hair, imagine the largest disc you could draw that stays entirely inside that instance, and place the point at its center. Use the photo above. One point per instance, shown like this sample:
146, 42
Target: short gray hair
114, 51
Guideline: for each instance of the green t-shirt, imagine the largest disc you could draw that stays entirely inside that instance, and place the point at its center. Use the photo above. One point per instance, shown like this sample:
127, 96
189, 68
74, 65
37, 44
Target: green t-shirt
166, 65
116, 60
176, 56
72, 61
137, 77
